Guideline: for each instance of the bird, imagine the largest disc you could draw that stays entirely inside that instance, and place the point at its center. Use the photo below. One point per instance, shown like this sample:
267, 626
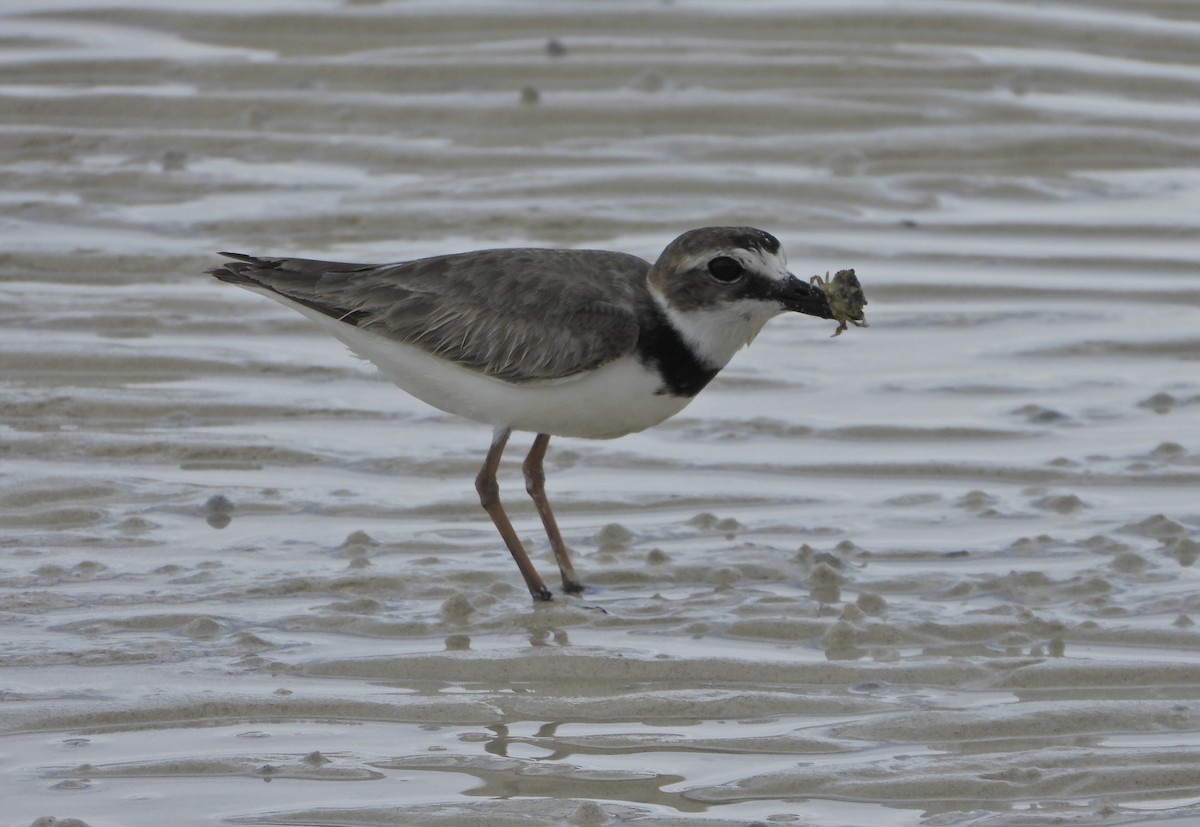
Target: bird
557, 342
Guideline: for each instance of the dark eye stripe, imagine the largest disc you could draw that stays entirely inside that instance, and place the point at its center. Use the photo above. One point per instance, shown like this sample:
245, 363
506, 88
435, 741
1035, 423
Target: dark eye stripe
725, 269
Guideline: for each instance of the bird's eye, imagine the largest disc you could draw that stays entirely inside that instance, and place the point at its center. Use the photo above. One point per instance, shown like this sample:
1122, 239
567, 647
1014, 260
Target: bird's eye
725, 269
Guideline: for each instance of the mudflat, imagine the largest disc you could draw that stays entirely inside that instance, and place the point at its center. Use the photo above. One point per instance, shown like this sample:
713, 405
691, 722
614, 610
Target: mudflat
940, 571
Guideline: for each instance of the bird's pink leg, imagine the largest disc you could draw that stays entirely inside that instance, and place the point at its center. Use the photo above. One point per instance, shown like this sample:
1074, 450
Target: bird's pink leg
489, 498
535, 484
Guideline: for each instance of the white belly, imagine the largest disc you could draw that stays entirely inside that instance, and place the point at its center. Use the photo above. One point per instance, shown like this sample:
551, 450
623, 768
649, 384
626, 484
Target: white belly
616, 399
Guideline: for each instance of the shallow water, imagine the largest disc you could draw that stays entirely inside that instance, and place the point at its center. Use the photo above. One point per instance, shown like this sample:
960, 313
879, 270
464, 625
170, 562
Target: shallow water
938, 571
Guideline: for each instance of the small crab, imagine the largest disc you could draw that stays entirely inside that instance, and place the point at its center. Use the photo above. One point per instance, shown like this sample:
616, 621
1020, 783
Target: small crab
845, 297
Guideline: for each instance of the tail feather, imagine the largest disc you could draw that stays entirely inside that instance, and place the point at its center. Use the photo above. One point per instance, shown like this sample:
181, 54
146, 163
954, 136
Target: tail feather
240, 271
290, 279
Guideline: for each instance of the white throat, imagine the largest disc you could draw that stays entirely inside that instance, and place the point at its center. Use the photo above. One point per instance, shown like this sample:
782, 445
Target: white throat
715, 334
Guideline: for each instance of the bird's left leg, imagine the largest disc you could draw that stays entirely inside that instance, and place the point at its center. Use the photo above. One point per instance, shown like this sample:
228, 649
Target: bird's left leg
489, 498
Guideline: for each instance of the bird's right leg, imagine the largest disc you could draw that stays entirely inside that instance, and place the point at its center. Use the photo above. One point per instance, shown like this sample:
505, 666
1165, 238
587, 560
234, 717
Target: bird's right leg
535, 484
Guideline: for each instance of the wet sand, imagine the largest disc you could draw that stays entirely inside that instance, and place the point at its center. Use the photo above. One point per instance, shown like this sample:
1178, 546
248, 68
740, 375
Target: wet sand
938, 571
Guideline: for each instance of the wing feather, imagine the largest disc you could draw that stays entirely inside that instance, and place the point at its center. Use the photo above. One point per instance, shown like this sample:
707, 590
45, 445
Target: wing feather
520, 315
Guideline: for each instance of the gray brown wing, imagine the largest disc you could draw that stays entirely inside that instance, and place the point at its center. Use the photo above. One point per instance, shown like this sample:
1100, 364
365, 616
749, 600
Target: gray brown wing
519, 315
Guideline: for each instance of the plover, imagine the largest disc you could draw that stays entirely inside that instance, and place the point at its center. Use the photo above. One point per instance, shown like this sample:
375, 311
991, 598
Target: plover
576, 343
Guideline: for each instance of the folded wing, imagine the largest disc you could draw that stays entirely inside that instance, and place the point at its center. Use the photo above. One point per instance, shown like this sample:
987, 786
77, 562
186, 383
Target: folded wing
518, 315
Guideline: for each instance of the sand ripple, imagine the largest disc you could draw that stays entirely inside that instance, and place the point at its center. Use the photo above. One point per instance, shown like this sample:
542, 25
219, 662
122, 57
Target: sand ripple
940, 571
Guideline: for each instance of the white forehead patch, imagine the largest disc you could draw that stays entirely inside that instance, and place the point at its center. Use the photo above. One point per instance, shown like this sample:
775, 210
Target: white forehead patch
758, 260
772, 265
